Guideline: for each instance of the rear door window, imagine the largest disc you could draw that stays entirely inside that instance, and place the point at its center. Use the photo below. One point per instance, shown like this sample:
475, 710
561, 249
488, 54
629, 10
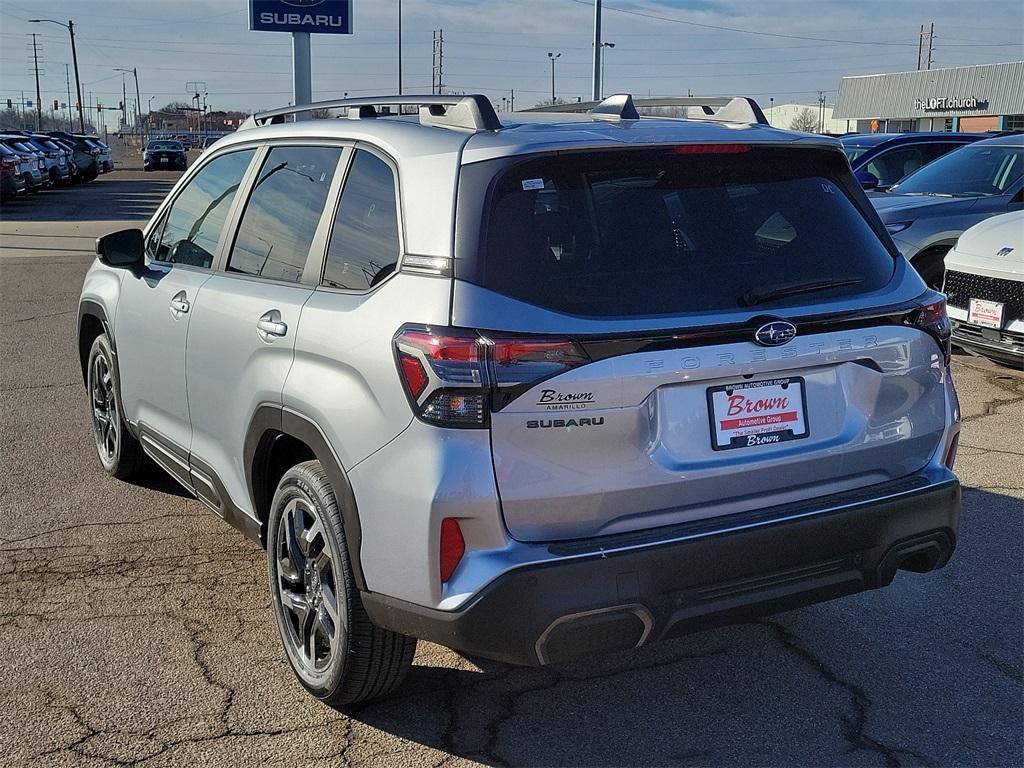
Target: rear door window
667, 231
283, 211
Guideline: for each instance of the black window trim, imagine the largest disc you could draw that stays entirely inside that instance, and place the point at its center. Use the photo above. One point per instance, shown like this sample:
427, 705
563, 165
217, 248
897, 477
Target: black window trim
159, 219
321, 255
245, 191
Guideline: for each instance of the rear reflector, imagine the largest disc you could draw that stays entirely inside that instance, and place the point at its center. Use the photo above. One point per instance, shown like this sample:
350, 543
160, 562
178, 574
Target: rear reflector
951, 452
711, 149
453, 547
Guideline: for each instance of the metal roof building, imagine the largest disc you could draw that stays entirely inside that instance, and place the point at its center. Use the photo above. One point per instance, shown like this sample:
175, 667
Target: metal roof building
984, 97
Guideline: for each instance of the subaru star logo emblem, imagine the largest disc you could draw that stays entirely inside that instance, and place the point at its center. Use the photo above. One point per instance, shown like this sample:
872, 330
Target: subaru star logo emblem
775, 333
1004, 251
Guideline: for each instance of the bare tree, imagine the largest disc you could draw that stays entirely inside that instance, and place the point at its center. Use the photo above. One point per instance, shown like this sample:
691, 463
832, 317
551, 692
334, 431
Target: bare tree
805, 121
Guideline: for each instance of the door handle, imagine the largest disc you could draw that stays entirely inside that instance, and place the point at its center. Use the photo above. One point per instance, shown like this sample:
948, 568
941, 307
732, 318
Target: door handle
271, 324
179, 303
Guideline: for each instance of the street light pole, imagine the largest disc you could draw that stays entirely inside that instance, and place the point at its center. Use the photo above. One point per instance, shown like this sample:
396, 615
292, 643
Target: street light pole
138, 98
604, 45
70, 27
553, 57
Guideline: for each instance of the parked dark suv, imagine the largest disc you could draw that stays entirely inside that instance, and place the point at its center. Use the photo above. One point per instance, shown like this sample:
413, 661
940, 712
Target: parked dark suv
164, 155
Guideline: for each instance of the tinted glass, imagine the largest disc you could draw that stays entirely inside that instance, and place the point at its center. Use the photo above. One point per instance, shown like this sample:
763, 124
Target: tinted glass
170, 146
283, 211
977, 169
197, 215
649, 232
364, 242
852, 153
891, 166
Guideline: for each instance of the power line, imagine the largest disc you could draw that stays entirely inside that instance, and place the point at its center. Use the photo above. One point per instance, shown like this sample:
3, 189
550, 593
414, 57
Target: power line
722, 28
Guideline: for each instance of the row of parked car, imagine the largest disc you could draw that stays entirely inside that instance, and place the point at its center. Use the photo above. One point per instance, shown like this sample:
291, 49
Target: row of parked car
31, 162
954, 205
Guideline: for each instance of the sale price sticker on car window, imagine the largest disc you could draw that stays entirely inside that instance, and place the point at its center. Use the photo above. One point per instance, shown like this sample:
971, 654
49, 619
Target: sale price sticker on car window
757, 413
986, 313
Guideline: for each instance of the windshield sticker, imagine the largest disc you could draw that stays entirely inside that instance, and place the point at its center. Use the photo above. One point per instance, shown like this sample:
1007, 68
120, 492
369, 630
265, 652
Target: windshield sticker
529, 184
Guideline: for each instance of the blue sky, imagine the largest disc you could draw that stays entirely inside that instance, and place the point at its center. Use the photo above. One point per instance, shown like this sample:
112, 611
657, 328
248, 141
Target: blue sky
493, 46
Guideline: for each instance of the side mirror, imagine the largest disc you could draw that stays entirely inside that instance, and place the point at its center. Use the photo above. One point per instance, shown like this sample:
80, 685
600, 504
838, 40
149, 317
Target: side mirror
124, 249
866, 179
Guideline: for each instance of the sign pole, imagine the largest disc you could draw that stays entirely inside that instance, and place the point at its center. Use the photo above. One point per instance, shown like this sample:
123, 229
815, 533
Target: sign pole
302, 74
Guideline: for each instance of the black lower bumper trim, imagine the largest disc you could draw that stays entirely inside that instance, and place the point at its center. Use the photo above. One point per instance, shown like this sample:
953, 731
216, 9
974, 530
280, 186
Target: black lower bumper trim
593, 602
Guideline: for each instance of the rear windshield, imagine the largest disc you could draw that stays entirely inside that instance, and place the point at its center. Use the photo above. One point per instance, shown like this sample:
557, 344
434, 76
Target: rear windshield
666, 231
171, 146
972, 171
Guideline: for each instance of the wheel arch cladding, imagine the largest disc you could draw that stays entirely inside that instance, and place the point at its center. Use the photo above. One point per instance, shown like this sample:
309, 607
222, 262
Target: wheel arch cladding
92, 322
279, 439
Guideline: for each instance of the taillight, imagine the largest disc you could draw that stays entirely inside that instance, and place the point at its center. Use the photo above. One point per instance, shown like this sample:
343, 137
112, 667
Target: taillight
452, 547
933, 320
454, 377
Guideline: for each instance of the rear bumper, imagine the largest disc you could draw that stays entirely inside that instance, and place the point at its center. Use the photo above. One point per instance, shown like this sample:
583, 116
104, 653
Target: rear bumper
619, 592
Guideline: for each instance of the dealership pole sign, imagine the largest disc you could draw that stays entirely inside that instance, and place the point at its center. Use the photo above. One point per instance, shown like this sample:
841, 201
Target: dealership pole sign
301, 18
332, 17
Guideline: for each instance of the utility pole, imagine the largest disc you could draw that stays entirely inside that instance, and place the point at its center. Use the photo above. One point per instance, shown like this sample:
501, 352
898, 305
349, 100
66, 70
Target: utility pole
138, 101
553, 57
124, 102
512, 100
598, 85
70, 27
399, 47
437, 63
67, 79
39, 102
925, 61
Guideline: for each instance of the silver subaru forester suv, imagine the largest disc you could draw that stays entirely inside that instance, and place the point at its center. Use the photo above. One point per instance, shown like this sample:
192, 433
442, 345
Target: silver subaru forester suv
530, 387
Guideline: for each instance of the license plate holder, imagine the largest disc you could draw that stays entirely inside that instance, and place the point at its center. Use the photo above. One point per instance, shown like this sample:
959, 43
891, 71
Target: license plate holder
988, 314
752, 413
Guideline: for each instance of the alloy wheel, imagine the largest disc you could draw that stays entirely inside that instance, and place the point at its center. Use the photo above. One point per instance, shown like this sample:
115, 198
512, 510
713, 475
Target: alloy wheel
307, 587
105, 418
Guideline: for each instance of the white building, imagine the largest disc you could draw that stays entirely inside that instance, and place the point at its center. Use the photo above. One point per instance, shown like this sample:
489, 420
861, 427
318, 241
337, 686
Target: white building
783, 115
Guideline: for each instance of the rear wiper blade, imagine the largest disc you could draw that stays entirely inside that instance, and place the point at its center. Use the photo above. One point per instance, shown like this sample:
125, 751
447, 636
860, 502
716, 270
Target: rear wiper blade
752, 297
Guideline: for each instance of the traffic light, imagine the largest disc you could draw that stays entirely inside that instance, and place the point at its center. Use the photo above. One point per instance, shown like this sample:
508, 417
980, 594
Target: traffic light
99, 107
10, 104
56, 104
120, 105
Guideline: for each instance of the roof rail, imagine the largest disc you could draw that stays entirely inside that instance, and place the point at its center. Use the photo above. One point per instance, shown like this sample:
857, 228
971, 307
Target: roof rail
622, 106
470, 112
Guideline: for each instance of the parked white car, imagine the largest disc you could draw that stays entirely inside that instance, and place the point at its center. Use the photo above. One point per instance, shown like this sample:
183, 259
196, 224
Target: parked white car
985, 288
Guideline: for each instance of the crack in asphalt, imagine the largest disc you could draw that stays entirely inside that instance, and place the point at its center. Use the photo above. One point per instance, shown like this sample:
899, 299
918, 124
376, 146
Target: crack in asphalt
854, 729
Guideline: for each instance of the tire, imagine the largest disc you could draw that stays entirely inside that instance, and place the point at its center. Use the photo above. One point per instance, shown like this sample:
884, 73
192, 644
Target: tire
931, 266
344, 658
118, 450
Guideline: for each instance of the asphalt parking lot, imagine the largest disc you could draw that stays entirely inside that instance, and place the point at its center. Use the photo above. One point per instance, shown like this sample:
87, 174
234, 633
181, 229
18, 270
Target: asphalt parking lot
135, 626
